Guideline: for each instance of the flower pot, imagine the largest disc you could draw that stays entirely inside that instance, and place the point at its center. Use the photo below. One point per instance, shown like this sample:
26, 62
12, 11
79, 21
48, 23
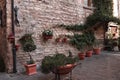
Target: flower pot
89, 53
17, 46
11, 38
30, 69
97, 50
57, 40
81, 56
62, 70
64, 40
46, 37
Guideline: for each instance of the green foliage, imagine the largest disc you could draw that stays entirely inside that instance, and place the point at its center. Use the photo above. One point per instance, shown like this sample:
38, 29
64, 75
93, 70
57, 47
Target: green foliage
104, 7
57, 60
77, 27
97, 43
82, 41
47, 33
102, 18
103, 13
119, 40
90, 38
28, 45
26, 38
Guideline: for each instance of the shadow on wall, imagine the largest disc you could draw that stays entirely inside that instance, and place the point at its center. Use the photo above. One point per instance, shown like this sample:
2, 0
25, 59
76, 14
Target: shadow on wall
2, 65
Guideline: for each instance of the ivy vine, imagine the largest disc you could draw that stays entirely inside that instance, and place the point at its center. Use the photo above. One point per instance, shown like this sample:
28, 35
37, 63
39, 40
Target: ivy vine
103, 14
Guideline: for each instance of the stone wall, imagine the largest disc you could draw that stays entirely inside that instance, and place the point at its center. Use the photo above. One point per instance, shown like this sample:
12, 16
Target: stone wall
4, 44
35, 16
2, 31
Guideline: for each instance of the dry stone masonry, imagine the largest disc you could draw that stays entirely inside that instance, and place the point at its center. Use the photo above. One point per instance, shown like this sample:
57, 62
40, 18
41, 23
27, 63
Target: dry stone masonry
35, 16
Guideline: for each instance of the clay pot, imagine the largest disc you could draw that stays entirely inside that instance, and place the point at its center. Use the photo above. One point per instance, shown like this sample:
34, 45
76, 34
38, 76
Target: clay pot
97, 51
81, 56
17, 46
89, 53
11, 38
57, 40
64, 40
62, 70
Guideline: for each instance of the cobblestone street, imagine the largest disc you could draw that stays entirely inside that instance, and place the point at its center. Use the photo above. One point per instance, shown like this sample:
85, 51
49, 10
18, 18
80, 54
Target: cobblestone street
105, 66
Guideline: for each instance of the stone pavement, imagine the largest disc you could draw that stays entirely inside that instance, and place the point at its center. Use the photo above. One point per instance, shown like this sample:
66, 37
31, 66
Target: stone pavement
105, 66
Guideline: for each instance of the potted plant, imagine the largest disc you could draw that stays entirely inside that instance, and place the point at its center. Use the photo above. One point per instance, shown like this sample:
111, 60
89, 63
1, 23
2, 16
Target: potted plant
97, 48
47, 34
82, 48
58, 64
79, 41
119, 43
28, 46
64, 40
57, 40
90, 42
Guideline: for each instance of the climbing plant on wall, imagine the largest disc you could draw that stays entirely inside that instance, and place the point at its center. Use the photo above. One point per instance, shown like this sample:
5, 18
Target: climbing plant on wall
103, 13
103, 7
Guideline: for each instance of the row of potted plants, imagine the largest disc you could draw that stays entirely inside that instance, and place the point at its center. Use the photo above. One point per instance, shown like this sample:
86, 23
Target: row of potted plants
85, 43
48, 34
89, 53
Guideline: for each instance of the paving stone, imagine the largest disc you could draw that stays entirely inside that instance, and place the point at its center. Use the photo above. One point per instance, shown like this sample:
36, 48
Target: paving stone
105, 66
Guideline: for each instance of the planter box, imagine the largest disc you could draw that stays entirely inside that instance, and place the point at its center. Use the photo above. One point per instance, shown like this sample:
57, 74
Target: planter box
30, 69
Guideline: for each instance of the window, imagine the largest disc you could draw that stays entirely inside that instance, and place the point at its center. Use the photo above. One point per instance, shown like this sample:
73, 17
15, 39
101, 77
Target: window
88, 2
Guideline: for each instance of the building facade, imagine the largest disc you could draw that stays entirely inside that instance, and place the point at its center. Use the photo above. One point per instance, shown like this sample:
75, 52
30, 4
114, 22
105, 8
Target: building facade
35, 16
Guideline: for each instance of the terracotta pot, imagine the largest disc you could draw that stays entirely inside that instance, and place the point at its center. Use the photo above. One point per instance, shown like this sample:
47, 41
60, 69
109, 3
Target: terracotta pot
89, 53
58, 39
97, 50
11, 38
45, 37
64, 40
17, 46
62, 70
81, 56
30, 69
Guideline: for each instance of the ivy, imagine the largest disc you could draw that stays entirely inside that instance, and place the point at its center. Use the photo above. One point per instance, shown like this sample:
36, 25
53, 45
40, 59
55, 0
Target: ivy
103, 13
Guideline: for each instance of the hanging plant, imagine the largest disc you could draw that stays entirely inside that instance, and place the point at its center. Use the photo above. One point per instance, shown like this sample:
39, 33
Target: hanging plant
47, 34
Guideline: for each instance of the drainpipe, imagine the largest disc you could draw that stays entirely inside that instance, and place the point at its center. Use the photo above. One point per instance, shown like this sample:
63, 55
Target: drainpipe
13, 32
